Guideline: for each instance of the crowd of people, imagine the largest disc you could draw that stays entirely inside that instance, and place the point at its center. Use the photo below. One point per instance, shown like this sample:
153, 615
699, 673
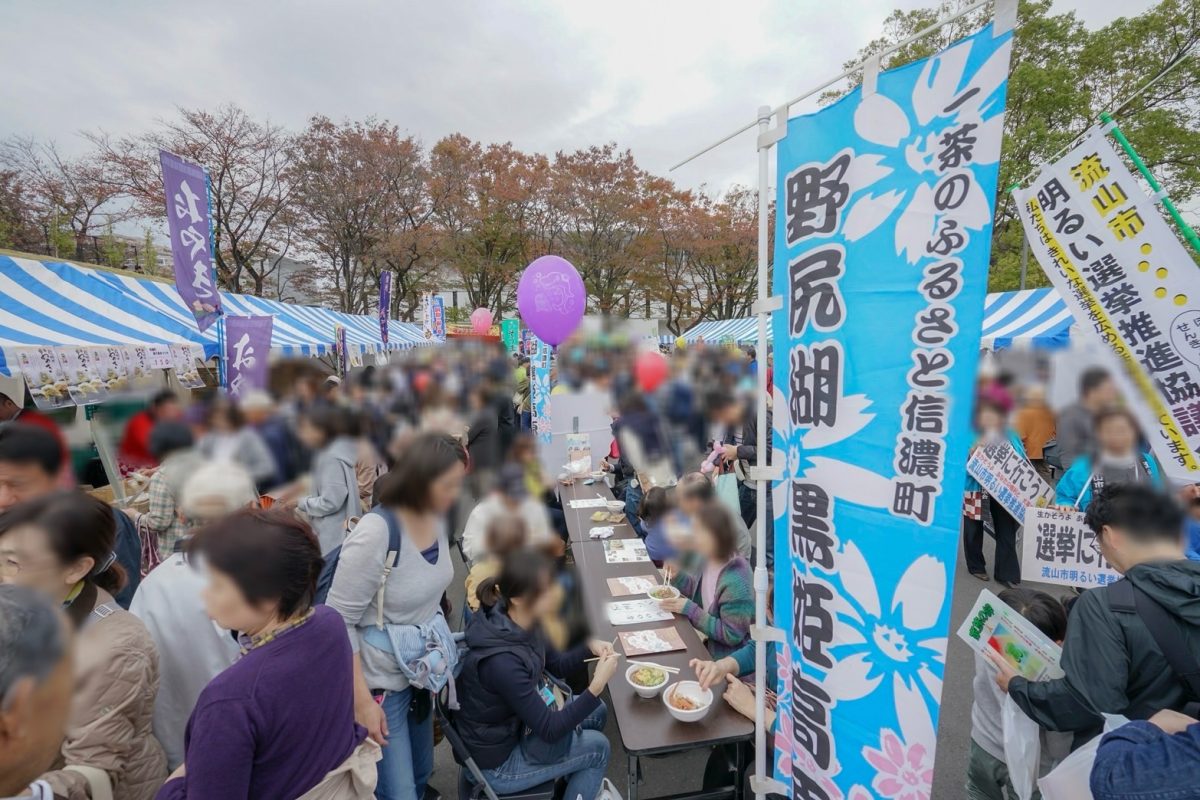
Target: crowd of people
1131, 648
278, 620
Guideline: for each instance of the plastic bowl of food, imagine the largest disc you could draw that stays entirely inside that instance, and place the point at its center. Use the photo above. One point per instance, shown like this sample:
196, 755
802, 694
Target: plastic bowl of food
687, 702
663, 592
615, 505
646, 680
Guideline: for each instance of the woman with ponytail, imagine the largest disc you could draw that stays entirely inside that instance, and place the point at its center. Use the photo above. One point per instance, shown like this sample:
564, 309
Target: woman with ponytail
279, 721
517, 717
62, 544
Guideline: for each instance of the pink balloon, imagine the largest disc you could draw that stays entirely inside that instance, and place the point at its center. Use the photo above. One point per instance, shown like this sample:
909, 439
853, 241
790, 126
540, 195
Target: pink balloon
551, 298
481, 320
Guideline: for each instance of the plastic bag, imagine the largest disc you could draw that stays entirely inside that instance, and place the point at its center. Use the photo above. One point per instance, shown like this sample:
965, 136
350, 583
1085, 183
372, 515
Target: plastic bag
1022, 748
1071, 780
727, 492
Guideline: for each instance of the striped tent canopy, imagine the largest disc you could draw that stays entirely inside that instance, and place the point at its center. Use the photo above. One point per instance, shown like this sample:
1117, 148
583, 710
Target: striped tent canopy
742, 331
297, 330
57, 303
1036, 317
54, 303
1032, 317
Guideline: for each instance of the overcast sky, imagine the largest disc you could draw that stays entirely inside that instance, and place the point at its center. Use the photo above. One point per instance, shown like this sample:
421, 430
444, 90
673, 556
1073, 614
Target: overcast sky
663, 77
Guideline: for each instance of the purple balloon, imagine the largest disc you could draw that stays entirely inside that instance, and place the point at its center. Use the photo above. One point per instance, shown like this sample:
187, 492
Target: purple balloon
551, 298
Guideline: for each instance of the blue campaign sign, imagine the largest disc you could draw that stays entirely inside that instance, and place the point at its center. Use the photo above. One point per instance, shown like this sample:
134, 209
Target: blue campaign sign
884, 219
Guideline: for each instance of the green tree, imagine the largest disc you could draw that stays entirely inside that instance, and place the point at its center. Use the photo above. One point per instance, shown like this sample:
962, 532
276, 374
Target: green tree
149, 255
111, 251
1062, 77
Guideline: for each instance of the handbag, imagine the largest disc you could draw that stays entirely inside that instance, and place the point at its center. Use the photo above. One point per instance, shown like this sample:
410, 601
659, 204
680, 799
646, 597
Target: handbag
537, 750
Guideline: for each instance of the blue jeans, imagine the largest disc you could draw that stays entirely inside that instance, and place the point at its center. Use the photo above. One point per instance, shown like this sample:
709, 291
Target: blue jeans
408, 757
585, 763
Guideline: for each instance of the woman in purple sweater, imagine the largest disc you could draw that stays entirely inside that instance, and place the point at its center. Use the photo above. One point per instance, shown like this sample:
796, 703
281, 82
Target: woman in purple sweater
282, 716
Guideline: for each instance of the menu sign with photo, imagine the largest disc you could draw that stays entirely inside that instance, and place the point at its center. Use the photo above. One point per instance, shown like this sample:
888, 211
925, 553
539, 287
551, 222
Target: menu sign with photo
1059, 547
44, 376
112, 368
82, 372
994, 624
183, 359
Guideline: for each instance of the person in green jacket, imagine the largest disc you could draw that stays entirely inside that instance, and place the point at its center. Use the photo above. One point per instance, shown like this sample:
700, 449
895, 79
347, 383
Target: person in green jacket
1119, 460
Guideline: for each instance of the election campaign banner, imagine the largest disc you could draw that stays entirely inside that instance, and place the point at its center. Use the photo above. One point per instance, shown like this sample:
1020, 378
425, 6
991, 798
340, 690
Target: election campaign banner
189, 220
437, 325
1057, 546
1129, 283
882, 237
540, 363
247, 347
385, 303
1009, 478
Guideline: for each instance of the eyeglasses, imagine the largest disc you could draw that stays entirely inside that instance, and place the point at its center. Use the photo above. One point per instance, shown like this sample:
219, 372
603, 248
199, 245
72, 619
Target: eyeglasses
1094, 543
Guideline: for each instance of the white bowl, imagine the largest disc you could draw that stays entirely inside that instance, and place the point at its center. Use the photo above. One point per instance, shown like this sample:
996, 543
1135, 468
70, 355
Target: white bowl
692, 691
645, 691
615, 505
674, 592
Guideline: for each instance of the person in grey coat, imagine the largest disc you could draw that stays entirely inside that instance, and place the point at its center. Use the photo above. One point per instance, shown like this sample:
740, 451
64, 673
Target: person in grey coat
1076, 427
332, 502
228, 438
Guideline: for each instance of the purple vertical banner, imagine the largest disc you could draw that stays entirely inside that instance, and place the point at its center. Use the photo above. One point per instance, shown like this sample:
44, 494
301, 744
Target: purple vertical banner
247, 346
385, 303
190, 224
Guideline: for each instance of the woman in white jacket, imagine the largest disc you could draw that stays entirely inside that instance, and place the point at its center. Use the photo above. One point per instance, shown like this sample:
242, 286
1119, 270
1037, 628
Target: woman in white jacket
333, 500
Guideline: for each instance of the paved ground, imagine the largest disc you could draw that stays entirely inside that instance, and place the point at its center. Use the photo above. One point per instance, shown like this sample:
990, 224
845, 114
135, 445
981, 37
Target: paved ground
678, 774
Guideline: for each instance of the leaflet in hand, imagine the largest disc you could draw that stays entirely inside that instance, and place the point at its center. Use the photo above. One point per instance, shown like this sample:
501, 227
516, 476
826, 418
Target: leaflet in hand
993, 624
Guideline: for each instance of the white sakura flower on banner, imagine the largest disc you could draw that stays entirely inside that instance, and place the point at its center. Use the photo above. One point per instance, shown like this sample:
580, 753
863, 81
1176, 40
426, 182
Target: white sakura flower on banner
953, 121
899, 643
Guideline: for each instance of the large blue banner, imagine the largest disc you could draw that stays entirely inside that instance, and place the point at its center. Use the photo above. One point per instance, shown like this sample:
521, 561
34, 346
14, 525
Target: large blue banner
884, 220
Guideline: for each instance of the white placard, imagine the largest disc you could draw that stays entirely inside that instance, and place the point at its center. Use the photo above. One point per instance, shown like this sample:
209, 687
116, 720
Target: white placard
1059, 547
1009, 478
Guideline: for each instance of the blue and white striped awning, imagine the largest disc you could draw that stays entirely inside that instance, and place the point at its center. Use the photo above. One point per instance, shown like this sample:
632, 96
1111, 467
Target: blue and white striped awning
298, 330
55, 303
742, 331
1037, 317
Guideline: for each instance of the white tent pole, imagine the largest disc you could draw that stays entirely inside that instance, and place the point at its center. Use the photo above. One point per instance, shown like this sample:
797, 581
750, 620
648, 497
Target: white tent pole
761, 577
805, 95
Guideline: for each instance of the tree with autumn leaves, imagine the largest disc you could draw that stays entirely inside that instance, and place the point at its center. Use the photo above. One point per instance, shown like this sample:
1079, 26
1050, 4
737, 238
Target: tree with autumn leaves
354, 199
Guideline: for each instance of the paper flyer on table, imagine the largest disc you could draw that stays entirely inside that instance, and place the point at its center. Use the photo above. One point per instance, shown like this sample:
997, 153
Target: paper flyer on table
992, 623
625, 551
637, 584
630, 612
589, 502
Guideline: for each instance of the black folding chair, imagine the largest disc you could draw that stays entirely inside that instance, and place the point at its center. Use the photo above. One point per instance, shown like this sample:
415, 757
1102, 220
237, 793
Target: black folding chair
479, 788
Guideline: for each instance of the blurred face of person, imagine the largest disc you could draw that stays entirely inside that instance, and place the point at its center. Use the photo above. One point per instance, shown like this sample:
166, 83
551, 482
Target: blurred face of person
221, 422
310, 435
542, 605
26, 559
32, 721
444, 491
22, 481
687, 504
228, 607
728, 415
1116, 436
169, 411
256, 415
8, 409
1103, 395
989, 420
706, 542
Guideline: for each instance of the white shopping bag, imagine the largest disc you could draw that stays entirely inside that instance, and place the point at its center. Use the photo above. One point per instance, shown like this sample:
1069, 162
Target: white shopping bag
1071, 780
1022, 748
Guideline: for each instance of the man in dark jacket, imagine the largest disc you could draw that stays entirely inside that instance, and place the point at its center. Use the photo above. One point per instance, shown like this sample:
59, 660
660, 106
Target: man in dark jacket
1158, 758
1111, 661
